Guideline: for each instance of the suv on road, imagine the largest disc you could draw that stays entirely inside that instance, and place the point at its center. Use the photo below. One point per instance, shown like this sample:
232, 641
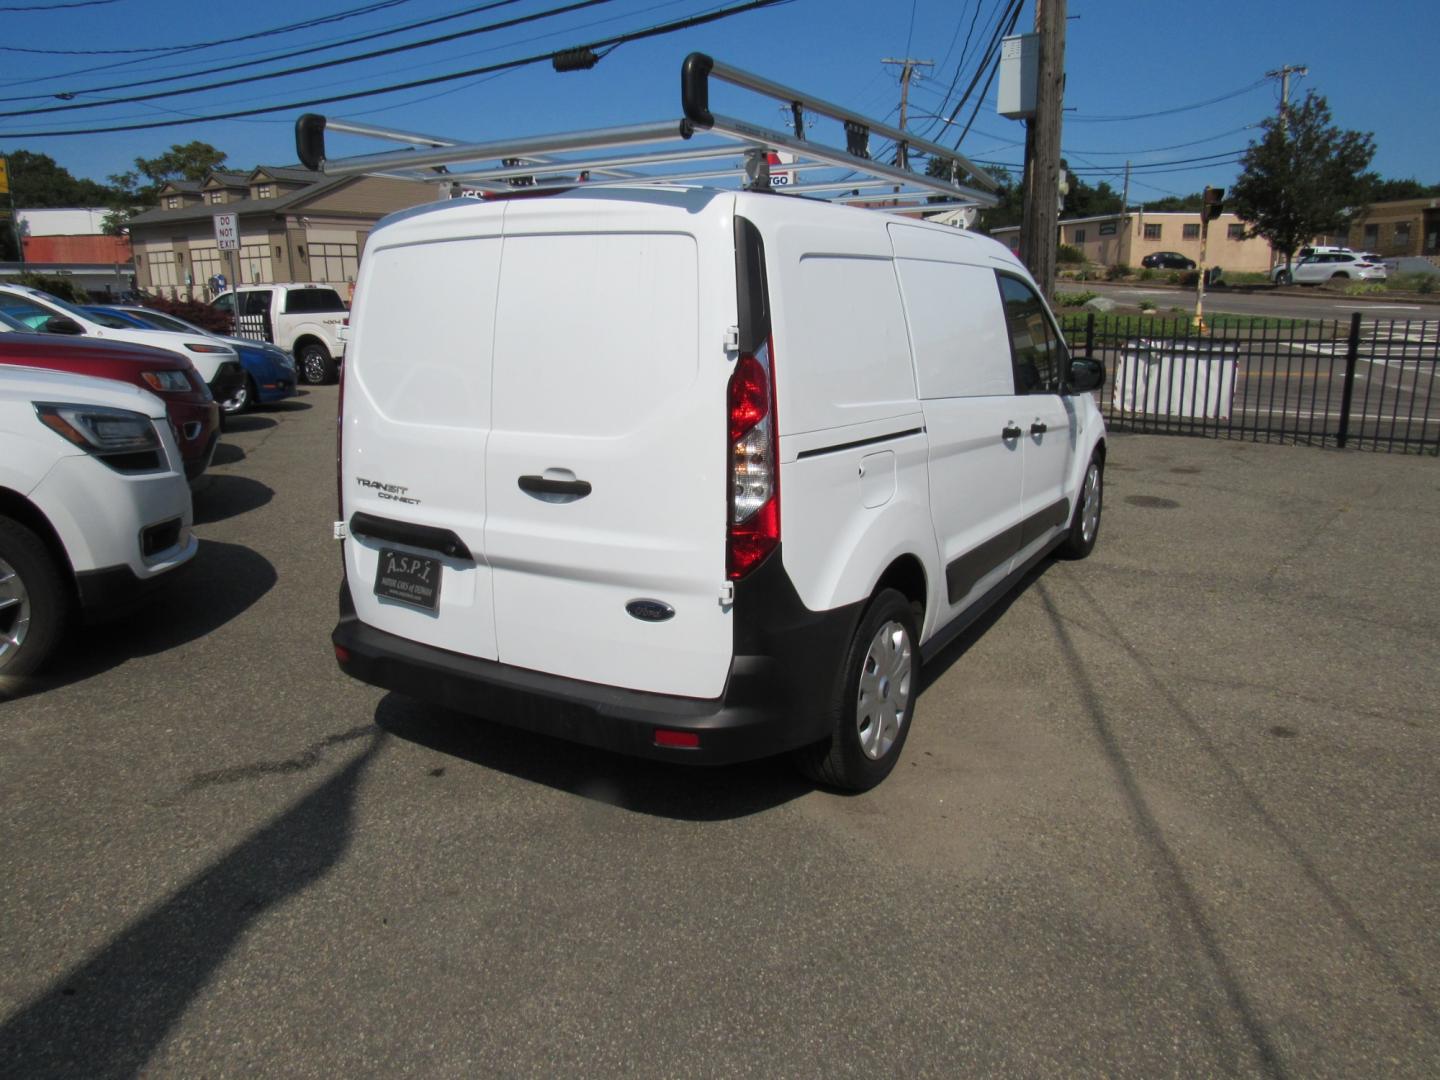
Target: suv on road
194, 415
305, 320
1330, 266
94, 509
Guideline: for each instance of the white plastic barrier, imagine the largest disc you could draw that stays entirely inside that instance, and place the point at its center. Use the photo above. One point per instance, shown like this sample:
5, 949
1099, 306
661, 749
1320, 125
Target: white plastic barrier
1194, 379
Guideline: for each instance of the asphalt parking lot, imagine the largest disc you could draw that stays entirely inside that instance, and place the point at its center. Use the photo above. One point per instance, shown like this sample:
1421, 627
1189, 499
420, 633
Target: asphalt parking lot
1169, 811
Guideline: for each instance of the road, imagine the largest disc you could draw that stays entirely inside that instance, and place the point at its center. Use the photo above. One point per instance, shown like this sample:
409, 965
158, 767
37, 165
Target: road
1167, 811
1289, 304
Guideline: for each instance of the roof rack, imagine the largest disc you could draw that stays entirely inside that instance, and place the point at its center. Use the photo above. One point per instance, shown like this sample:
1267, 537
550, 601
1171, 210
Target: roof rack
701, 146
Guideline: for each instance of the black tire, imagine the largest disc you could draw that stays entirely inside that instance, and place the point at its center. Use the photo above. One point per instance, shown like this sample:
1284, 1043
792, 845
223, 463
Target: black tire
842, 760
1284, 278
243, 400
1080, 541
35, 599
1341, 276
314, 364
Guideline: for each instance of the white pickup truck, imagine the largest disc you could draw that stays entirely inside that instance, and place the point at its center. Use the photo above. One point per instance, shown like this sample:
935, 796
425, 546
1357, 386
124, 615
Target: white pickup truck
303, 319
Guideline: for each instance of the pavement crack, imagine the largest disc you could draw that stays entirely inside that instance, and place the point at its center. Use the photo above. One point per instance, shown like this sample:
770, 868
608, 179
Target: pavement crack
307, 759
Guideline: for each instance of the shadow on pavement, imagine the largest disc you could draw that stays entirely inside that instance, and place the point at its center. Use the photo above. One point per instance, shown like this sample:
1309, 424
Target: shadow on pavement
935, 668
229, 496
226, 454
106, 1016
249, 422
287, 405
220, 583
659, 789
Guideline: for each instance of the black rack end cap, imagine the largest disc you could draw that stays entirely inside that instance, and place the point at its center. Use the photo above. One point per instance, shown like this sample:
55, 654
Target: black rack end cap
695, 88
310, 140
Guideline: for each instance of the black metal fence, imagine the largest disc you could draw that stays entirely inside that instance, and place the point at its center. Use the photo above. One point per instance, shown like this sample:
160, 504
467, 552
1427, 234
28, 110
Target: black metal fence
1364, 383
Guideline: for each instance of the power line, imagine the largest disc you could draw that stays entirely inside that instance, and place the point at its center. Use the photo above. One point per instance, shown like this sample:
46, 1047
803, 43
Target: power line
58, 7
307, 50
289, 28
1169, 112
612, 42
306, 69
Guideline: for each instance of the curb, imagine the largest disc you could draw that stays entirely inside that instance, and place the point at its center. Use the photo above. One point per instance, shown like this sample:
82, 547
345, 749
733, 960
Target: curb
1259, 290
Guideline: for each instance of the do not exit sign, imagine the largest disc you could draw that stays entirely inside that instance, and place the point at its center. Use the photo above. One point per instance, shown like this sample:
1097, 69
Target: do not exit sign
227, 232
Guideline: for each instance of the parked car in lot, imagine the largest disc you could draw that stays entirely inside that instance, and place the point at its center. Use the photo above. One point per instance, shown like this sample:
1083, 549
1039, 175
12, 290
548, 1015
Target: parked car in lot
304, 319
42, 313
194, 416
1167, 260
94, 508
269, 369
534, 528
1330, 266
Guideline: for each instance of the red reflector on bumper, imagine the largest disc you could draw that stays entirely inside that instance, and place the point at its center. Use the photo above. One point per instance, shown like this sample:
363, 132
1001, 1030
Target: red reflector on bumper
684, 740
342, 654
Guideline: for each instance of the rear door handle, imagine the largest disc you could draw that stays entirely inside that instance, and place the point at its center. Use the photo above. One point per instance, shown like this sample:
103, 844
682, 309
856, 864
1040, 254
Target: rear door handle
549, 490
1037, 428
1010, 431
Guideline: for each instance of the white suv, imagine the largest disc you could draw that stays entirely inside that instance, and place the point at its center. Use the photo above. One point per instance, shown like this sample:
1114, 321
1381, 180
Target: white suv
693, 474
1326, 266
94, 506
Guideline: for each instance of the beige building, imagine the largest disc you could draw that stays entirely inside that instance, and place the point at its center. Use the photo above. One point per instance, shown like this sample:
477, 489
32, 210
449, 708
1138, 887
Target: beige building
295, 225
1113, 239
1397, 229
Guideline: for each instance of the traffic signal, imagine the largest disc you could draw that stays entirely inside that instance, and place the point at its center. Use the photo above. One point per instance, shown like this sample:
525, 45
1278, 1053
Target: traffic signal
1214, 203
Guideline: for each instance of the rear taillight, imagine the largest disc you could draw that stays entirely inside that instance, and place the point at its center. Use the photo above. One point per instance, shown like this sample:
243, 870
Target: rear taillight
754, 505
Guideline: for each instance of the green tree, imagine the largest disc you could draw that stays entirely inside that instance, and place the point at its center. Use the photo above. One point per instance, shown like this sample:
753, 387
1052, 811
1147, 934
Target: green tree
1378, 189
1175, 203
1304, 177
37, 182
1082, 200
188, 161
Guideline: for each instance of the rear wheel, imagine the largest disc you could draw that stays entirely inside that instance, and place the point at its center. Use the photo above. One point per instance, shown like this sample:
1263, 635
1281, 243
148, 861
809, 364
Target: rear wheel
1085, 522
1284, 278
32, 601
314, 364
873, 702
1341, 276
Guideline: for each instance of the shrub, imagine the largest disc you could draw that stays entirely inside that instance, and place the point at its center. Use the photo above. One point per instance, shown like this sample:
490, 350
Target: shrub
62, 288
202, 315
1173, 277
1147, 305
1117, 272
1365, 288
1146, 274
1426, 284
1188, 278
1069, 253
1074, 299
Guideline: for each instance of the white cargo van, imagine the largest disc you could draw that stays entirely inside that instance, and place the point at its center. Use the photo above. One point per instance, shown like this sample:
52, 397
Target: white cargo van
696, 474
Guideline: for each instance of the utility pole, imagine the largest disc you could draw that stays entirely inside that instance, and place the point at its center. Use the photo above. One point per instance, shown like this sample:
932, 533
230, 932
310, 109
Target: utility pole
907, 69
1125, 195
1283, 74
1042, 149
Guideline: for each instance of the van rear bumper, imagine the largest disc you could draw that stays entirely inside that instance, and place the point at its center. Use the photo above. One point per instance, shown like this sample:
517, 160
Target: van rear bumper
771, 703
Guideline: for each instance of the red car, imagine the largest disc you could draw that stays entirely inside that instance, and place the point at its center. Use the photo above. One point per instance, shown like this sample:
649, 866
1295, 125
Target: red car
194, 416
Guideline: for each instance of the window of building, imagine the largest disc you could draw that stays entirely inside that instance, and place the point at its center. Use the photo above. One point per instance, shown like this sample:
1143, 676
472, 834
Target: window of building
1079, 236
1108, 228
1234, 232
265, 191
1035, 347
333, 263
1372, 236
1152, 232
205, 263
255, 264
216, 198
172, 202
1190, 232
163, 269
1401, 242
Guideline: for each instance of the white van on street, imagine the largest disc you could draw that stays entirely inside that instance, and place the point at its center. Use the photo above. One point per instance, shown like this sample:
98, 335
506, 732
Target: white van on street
697, 474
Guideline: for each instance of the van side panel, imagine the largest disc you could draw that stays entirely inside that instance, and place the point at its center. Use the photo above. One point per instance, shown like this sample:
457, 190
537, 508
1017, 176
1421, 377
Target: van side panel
417, 416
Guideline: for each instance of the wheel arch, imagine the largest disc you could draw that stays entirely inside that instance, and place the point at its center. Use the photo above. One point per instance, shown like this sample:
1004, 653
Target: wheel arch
17, 507
309, 338
906, 575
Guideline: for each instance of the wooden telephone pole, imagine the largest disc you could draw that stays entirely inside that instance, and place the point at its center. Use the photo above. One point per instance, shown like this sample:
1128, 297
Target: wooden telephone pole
1041, 215
907, 70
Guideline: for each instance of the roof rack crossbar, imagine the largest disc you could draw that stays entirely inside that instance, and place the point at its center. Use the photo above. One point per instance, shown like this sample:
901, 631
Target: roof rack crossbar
666, 153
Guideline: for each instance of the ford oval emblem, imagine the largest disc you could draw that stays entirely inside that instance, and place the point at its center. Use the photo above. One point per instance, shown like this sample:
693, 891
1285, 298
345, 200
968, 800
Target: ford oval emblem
650, 610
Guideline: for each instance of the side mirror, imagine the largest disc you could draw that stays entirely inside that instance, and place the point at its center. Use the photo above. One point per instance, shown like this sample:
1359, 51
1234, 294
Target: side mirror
1086, 375
59, 324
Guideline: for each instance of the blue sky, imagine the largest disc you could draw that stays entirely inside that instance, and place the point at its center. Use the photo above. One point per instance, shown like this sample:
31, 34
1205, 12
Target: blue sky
1374, 63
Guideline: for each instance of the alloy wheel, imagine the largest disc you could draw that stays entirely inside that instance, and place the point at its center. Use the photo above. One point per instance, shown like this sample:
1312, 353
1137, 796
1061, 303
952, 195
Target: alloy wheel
1090, 506
14, 613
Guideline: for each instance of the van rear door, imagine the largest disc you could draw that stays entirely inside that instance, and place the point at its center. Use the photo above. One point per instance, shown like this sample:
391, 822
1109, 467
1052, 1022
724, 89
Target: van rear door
605, 469
416, 419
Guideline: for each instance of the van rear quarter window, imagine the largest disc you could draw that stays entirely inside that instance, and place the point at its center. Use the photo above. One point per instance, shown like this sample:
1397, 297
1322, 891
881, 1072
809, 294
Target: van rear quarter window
304, 301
